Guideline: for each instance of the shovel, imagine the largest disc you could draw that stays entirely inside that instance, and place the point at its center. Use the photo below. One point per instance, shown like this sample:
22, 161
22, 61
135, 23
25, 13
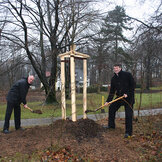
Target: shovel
34, 111
87, 111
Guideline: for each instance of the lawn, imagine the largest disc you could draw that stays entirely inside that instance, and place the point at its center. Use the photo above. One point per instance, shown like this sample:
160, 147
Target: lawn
149, 100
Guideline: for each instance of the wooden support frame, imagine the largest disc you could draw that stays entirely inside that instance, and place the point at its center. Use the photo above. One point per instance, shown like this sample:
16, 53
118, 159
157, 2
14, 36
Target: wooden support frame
72, 54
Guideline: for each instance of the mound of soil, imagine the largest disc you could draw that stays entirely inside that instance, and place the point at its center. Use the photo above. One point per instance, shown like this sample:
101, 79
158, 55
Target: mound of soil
85, 138
82, 128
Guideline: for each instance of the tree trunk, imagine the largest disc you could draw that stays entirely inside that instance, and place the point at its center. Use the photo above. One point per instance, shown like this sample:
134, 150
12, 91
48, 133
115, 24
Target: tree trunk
51, 96
148, 70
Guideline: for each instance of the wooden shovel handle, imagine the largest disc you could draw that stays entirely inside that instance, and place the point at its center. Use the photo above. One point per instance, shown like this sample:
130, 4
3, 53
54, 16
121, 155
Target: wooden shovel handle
115, 100
110, 102
29, 108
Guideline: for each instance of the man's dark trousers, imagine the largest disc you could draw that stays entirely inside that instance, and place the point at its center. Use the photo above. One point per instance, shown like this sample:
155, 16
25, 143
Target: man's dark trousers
17, 114
128, 115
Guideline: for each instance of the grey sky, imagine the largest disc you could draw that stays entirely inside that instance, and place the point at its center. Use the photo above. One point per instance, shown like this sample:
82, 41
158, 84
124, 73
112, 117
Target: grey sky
141, 9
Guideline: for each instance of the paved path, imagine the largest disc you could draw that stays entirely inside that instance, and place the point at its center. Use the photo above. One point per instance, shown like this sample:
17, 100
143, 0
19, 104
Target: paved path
47, 121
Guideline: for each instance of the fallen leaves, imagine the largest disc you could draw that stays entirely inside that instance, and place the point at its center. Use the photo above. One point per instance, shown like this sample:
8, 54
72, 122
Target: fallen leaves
61, 155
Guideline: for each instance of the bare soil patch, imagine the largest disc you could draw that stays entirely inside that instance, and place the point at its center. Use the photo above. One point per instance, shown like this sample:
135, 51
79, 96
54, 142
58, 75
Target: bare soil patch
86, 139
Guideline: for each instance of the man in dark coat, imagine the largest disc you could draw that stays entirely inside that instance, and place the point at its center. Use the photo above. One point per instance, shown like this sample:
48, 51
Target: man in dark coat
122, 84
17, 95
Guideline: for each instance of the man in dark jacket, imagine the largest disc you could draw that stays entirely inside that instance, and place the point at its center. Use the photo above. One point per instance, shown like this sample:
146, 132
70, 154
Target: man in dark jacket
15, 97
122, 84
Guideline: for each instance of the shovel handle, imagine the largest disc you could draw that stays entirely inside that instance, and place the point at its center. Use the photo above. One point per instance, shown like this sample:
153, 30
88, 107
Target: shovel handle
29, 108
115, 100
110, 102
105, 105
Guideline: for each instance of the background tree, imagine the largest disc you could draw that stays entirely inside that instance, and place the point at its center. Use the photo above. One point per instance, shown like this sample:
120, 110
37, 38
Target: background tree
148, 48
112, 30
99, 60
43, 29
107, 45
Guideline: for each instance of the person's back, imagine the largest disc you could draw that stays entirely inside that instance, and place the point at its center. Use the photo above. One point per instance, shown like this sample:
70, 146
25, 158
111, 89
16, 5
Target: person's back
18, 91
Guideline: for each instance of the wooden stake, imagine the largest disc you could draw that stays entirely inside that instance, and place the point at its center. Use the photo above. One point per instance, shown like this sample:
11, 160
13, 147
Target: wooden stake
84, 88
73, 93
63, 101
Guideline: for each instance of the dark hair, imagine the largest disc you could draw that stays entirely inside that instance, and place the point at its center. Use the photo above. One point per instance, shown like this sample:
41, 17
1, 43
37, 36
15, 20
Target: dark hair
118, 64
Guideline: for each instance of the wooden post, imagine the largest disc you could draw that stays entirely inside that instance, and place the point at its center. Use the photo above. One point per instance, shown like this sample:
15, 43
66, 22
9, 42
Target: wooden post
63, 102
103, 102
73, 93
84, 88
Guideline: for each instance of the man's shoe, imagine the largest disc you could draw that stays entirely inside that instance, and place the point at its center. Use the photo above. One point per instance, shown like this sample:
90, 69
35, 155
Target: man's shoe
127, 135
20, 129
6, 131
108, 127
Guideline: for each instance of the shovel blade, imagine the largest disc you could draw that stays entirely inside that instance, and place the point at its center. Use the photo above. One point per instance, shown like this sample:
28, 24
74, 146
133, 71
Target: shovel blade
37, 111
87, 111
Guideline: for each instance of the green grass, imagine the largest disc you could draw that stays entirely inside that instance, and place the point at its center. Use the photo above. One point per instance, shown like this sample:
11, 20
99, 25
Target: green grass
149, 100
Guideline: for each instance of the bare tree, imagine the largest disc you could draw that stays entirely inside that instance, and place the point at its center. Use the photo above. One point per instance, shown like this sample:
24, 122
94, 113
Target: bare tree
43, 28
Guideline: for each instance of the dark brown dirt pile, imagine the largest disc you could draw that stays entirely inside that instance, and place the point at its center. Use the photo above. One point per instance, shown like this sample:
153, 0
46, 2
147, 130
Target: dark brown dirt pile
82, 128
